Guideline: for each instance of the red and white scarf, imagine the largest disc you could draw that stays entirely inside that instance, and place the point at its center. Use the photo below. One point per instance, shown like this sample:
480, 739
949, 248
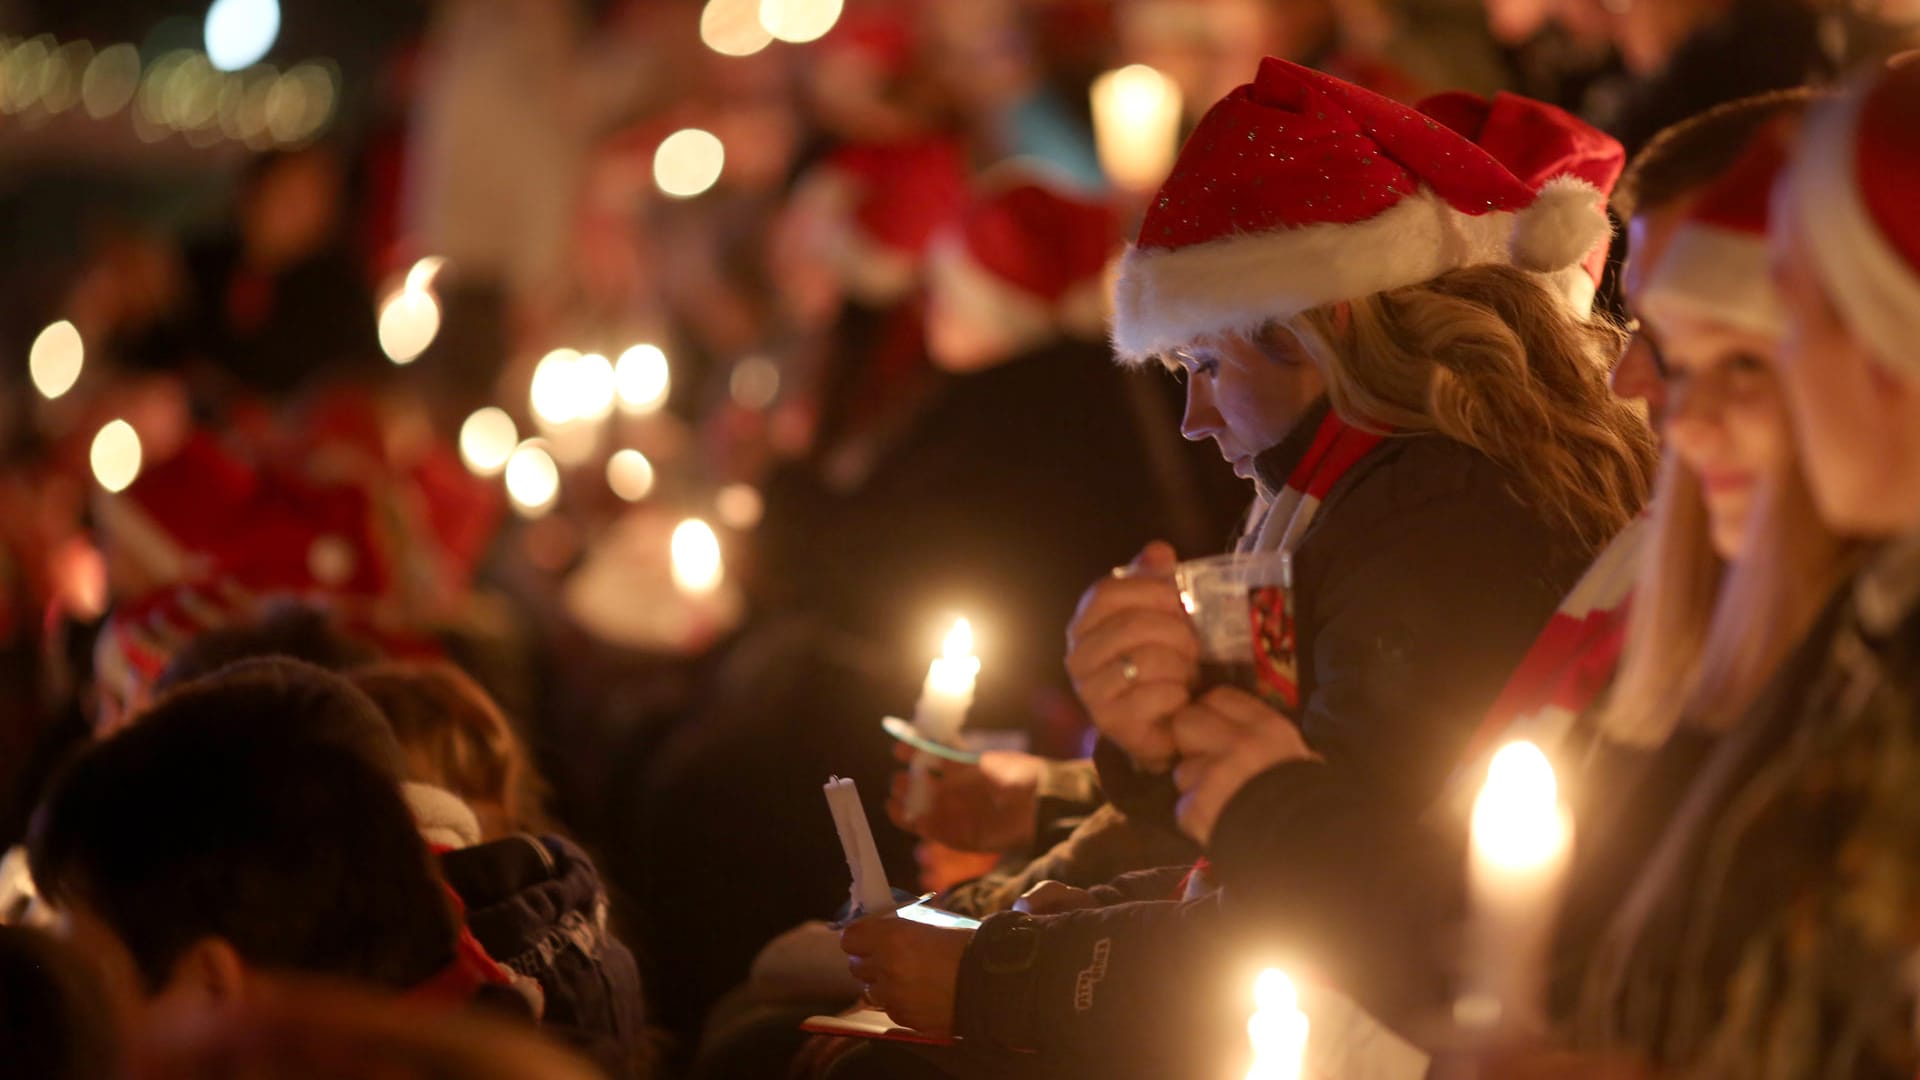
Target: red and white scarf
1574, 658
1279, 525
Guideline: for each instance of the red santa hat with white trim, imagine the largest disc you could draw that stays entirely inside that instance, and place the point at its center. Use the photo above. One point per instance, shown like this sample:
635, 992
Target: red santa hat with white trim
1299, 190
880, 205
1716, 265
1539, 143
1850, 194
1027, 260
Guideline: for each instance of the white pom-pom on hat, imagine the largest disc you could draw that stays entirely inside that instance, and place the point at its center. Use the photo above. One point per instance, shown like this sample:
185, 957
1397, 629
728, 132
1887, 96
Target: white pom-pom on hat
1564, 224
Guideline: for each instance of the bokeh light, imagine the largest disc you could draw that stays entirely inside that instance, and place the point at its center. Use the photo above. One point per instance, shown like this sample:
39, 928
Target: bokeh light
551, 394
688, 162
60, 80
630, 475
697, 569
487, 440
754, 383
732, 27
55, 360
740, 507
239, 33
593, 387
409, 321
115, 455
533, 480
799, 21
23, 73
643, 379
110, 81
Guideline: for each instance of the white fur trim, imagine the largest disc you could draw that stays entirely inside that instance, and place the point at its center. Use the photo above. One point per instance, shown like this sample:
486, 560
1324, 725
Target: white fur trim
1562, 226
443, 819
1875, 289
1718, 274
1167, 298
135, 537
875, 274
995, 316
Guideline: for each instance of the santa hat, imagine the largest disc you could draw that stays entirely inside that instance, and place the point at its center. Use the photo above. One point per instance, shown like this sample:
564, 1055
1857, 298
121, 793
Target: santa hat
1298, 190
139, 637
1716, 265
1850, 193
1539, 143
1027, 258
177, 509
883, 203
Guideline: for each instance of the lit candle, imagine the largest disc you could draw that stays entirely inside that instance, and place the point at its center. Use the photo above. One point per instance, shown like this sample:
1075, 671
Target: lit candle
1278, 1029
1522, 838
944, 700
1136, 126
870, 892
697, 566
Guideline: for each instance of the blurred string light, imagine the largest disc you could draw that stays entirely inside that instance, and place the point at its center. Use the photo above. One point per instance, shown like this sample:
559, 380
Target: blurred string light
55, 359
410, 318
110, 81
115, 455
533, 480
799, 21
740, 506
643, 379
182, 92
630, 475
732, 27
754, 383
688, 162
61, 77
240, 32
487, 440
697, 569
21, 75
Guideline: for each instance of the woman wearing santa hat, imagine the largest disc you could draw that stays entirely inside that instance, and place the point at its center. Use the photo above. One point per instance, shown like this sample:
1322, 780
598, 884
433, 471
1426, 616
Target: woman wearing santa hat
1354, 292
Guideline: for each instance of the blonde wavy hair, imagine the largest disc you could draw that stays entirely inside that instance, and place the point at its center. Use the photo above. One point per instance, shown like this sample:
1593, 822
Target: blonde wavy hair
1487, 356
1704, 636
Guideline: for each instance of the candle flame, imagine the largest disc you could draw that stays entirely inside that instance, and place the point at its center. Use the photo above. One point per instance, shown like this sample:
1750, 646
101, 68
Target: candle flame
1278, 1030
959, 643
1136, 125
697, 568
1517, 821
1274, 992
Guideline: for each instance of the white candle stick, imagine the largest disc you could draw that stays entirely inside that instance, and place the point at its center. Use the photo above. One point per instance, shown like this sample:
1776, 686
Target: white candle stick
1277, 1029
870, 892
1522, 839
942, 710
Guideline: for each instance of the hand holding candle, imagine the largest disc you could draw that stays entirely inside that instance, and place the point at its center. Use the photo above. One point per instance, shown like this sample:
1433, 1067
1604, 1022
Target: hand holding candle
942, 711
1522, 838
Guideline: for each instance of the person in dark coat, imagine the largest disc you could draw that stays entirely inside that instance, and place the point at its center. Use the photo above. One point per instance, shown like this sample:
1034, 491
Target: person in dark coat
534, 900
1430, 532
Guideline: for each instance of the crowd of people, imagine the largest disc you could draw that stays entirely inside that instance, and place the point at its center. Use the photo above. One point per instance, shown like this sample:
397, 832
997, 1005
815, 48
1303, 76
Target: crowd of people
1557, 358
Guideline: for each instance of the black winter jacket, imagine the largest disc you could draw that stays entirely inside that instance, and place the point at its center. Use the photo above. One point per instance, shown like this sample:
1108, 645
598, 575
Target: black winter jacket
1420, 584
536, 904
